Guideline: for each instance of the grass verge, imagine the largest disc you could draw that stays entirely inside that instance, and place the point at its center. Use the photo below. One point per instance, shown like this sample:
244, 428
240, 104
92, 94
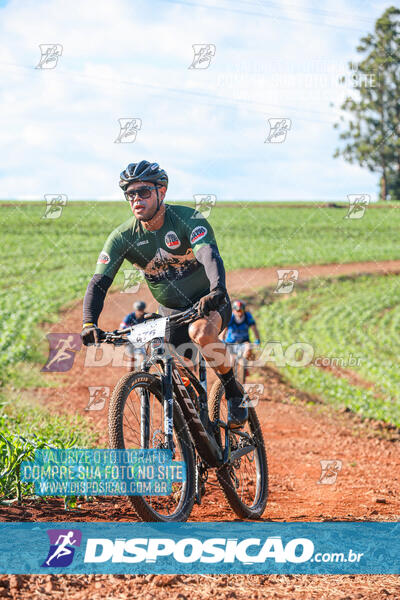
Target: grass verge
25, 426
353, 322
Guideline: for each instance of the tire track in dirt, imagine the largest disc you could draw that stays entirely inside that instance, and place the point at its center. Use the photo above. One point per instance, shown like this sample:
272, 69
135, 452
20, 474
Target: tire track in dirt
298, 435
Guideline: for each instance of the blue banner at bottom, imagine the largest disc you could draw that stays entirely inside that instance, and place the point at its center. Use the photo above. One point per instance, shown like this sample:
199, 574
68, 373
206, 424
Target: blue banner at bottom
227, 548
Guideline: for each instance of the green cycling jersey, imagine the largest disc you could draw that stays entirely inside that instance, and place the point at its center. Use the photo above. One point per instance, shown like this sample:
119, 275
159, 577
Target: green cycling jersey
166, 256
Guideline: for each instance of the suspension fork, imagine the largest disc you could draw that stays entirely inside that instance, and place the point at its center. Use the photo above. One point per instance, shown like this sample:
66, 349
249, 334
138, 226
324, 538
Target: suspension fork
168, 401
145, 410
144, 419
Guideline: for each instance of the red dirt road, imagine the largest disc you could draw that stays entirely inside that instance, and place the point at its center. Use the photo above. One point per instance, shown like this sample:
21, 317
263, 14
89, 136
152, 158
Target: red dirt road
298, 435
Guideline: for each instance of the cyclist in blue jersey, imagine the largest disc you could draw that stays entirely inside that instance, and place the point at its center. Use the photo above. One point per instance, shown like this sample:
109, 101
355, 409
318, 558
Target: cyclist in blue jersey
133, 318
237, 330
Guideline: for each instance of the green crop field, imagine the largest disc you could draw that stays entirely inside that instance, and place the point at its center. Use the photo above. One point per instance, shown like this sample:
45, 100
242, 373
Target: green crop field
353, 320
47, 263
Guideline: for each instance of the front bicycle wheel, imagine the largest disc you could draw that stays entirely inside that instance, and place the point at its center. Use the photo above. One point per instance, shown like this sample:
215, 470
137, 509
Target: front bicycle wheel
136, 420
239, 364
245, 481
241, 369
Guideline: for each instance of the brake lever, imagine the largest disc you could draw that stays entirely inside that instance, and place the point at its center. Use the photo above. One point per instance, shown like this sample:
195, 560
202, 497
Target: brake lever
111, 337
191, 316
148, 316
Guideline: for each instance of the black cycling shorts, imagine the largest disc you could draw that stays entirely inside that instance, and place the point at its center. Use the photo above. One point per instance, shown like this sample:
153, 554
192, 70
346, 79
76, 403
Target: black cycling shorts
179, 336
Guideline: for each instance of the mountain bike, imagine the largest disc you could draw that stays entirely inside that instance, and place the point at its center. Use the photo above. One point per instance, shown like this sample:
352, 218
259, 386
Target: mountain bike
240, 366
239, 360
170, 408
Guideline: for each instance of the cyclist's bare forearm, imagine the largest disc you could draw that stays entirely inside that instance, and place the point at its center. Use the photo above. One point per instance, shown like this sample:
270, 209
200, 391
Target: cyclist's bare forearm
94, 298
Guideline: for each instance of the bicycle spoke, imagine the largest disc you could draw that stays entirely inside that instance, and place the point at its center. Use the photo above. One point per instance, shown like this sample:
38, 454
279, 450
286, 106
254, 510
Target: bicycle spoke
164, 505
246, 469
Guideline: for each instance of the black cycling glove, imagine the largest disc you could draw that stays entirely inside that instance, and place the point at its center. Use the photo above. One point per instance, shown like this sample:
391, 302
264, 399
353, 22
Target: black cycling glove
91, 334
212, 301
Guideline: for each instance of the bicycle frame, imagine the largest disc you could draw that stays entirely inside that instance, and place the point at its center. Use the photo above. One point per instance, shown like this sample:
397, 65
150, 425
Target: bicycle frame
199, 424
201, 428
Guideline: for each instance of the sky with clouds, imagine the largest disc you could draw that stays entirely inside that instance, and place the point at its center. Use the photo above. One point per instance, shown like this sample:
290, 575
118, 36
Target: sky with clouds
206, 127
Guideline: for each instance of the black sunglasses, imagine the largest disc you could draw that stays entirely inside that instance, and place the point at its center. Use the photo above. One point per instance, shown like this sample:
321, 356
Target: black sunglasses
143, 192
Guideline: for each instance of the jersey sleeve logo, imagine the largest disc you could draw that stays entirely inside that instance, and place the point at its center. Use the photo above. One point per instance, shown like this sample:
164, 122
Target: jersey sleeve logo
103, 259
172, 240
197, 234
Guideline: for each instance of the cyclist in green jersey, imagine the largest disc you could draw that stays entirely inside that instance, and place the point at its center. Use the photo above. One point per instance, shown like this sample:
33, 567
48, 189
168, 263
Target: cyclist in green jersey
175, 247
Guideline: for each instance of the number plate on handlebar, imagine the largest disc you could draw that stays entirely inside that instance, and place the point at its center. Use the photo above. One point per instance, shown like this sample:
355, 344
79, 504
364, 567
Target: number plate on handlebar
144, 332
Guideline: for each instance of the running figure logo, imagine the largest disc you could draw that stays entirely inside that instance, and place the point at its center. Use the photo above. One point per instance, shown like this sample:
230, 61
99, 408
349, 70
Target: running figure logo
98, 394
253, 394
357, 205
128, 129
54, 205
286, 280
62, 547
329, 471
203, 54
278, 129
50, 53
203, 205
63, 347
133, 278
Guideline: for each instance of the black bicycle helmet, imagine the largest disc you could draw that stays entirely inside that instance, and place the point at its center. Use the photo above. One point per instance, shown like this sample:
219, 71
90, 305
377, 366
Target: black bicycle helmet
143, 171
139, 305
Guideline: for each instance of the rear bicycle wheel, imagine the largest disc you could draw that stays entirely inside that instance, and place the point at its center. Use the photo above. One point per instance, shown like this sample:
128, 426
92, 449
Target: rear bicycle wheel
125, 418
245, 481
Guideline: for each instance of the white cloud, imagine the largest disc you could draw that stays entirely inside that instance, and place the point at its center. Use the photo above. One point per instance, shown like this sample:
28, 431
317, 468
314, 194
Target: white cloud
207, 127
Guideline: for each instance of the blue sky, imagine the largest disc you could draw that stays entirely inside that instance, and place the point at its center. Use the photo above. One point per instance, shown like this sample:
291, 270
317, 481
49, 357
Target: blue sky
206, 127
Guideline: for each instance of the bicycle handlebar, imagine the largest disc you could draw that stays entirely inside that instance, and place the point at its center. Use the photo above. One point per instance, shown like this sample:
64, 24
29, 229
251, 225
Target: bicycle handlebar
186, 316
